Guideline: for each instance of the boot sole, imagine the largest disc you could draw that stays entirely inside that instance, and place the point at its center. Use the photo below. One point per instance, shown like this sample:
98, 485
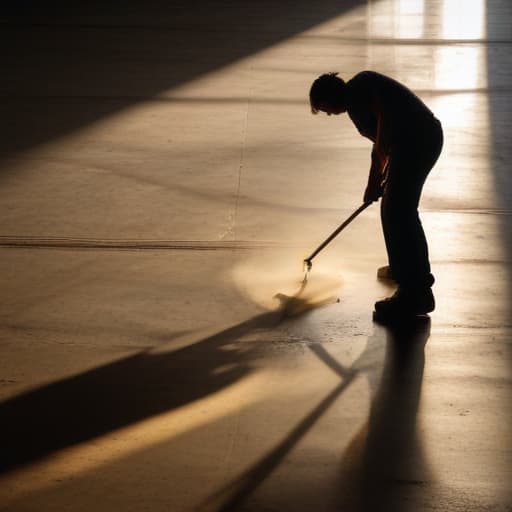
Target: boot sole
394, 319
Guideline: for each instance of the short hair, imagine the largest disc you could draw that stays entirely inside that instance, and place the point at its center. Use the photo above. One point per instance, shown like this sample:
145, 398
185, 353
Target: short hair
327, 88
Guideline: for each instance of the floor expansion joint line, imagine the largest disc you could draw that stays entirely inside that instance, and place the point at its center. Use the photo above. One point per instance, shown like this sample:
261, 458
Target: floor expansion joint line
240, 168
113, 244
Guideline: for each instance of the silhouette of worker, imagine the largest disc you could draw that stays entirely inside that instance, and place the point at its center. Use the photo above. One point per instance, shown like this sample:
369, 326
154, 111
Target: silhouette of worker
407, 140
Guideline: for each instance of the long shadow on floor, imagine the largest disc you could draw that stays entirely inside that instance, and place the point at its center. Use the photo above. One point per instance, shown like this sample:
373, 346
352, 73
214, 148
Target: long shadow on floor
385, 462
80, 408
85, 406
381, 456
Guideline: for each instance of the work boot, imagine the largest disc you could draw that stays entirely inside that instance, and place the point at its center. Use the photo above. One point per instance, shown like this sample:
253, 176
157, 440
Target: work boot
405, 304
384, 273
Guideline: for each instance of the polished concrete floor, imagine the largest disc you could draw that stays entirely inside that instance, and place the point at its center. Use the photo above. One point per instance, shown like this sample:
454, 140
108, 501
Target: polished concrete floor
162, 179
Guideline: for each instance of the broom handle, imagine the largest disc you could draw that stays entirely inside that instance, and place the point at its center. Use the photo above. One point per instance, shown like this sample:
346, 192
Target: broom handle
337, 231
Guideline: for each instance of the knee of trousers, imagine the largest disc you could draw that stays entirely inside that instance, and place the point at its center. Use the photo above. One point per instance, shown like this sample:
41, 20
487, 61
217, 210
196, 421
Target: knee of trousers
400, 212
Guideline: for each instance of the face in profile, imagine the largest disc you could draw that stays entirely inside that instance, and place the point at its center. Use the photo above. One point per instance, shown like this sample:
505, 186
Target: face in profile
331, 109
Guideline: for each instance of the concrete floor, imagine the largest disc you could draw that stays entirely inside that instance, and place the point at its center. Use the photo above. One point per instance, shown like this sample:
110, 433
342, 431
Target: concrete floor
162, 180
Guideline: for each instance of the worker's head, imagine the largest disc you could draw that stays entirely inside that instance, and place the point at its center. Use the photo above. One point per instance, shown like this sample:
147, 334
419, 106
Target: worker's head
327, 94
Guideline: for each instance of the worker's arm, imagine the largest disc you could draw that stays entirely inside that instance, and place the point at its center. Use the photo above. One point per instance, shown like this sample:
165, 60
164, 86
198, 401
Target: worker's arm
380, 156
374, 189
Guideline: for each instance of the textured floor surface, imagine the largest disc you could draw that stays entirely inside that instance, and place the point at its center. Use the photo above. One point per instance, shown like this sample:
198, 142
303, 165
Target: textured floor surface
161, 181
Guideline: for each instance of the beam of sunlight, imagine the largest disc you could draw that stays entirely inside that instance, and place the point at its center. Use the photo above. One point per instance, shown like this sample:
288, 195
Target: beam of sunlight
463, 178
121, 443
463, 20
397, 19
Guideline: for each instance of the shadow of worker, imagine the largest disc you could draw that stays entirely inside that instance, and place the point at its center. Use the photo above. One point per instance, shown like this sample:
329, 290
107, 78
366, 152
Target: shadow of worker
85, 406
82, 407
385, 460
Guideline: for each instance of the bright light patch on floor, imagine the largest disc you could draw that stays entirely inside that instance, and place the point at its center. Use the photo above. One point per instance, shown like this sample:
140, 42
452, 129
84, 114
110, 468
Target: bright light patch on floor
460, 76
410, 19
120, 444
402, 19
463, 20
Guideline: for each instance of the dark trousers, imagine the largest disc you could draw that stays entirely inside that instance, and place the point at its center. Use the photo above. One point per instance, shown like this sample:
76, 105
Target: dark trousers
408, 168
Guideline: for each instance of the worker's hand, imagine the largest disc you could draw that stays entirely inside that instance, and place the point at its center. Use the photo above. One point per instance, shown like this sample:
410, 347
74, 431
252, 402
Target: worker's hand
373, 191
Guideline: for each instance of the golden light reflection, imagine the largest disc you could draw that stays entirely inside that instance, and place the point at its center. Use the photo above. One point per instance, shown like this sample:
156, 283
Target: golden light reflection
403, 19
124, 442
463, 20
410, 19
460, 78
461, 66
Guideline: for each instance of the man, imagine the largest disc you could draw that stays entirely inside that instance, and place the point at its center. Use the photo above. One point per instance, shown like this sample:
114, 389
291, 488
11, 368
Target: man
407, 140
